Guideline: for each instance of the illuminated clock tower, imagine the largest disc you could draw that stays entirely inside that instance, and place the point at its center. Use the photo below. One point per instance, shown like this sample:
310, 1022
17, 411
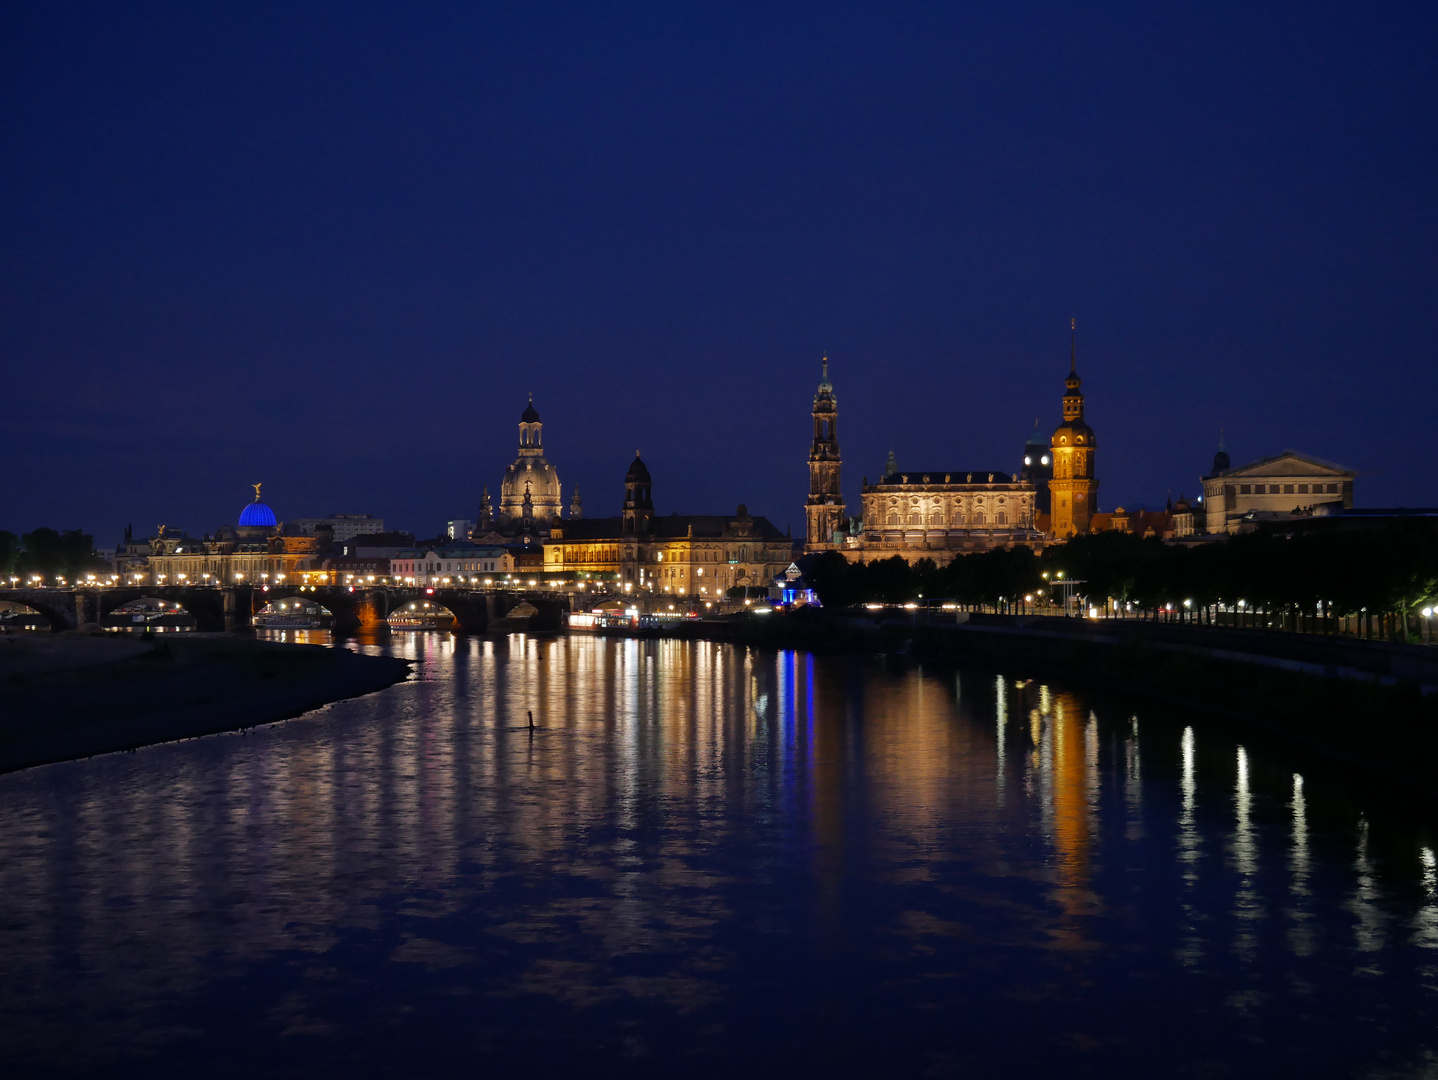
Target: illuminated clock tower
824, 509
1073, 491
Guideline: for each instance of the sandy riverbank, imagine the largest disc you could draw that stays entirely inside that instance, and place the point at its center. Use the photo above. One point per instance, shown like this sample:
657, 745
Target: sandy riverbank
64, 696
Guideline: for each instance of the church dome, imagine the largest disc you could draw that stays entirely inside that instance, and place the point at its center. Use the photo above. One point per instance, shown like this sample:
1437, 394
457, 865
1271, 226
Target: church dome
258, 515
540, 475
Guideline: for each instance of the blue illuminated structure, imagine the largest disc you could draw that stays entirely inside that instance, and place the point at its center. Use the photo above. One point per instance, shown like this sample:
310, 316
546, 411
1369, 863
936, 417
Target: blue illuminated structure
257, 515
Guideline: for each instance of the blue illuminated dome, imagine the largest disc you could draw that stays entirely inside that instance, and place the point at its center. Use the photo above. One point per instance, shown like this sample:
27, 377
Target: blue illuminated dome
257, 515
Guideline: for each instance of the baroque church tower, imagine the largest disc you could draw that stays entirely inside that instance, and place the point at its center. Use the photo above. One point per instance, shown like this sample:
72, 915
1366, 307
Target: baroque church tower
638, 499
824, 509
1073, 491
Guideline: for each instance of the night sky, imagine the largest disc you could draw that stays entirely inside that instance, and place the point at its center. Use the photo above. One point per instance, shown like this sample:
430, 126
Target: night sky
331, 248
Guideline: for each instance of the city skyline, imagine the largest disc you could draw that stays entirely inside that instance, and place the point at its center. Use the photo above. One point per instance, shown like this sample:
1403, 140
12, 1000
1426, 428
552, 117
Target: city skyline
336, 253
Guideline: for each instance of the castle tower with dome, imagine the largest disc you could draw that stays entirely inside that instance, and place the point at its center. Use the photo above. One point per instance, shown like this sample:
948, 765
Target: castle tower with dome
529, 496
1073, 491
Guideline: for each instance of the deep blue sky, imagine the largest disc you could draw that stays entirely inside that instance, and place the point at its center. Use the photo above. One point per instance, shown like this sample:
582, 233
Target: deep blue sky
332, 248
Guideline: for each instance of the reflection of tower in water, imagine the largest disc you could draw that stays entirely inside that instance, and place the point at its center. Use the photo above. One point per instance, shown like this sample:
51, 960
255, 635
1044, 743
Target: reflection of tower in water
1073, 784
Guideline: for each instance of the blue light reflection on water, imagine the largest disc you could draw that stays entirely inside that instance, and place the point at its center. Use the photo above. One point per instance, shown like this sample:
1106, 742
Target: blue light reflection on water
711, 859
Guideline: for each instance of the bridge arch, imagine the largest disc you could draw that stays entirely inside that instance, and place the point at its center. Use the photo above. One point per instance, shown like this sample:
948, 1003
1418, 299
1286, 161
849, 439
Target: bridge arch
298, 612
55, 606
339, 601
423, 613
205, 606
18, 615
149, 613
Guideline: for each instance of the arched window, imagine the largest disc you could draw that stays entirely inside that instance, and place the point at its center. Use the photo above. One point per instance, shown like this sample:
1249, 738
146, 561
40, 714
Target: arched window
893, 519
1001, 518
979, 518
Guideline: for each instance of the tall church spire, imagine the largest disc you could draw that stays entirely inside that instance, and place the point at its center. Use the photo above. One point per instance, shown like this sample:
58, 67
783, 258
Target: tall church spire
824, 509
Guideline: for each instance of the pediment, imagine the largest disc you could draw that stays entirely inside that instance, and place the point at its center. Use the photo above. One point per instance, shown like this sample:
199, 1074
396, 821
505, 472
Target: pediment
1291, 463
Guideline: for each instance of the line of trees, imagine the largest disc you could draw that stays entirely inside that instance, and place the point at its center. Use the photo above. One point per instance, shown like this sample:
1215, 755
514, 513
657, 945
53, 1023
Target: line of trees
1381, 576
49, 553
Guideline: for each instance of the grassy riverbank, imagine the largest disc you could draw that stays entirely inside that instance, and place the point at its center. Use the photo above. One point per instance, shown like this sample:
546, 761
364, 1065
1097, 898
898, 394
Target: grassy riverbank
64, 696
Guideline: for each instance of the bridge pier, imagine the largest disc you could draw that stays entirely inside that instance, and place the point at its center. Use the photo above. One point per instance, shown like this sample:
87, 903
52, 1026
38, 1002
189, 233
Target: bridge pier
230, 608
369, 610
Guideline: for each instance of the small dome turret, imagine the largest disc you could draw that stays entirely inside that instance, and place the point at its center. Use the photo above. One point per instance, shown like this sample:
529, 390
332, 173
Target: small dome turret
638, 472
530, 414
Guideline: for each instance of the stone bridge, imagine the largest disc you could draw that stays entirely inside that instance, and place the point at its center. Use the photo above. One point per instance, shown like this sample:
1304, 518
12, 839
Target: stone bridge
353, 607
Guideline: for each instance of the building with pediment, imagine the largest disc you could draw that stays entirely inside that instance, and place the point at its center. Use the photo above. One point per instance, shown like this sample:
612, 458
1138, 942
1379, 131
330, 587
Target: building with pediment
1270, 489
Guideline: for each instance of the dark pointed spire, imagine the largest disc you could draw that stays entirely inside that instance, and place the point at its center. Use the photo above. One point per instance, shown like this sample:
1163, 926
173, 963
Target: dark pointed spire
1221, 460
1073, 346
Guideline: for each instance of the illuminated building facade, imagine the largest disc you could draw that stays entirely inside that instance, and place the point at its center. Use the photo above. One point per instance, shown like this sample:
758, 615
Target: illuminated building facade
452, 564
922, 514
696, 556
937, 514
257, 549
1271, 488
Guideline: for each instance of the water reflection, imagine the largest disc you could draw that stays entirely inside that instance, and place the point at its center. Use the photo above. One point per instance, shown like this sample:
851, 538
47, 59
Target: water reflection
1247, 905
693, 841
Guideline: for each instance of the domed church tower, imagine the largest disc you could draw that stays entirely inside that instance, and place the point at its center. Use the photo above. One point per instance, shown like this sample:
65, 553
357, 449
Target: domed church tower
824, 509
1038, 467
531, 474
1073, 492
638, 499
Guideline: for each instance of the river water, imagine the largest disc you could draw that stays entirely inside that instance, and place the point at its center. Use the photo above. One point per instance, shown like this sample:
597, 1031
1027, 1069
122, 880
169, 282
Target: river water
712, 861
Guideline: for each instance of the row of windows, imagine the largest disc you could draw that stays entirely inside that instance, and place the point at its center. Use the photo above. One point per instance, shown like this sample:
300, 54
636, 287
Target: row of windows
611, 554
894, 520
402, 567
956, 505
1284, 489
